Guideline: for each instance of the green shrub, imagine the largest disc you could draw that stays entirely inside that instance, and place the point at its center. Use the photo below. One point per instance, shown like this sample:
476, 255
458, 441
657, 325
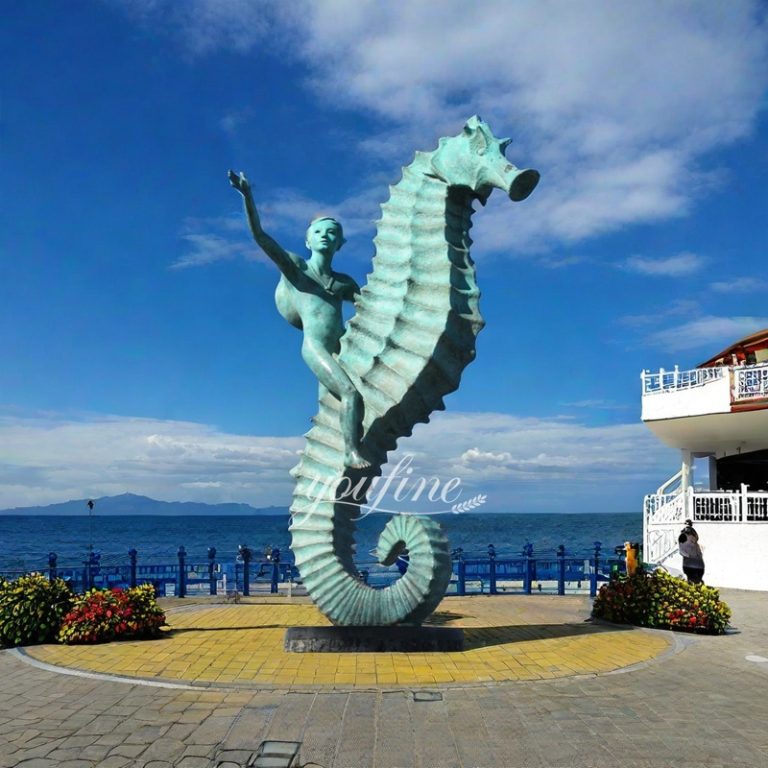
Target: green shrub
657, 599
113, 614
31, 609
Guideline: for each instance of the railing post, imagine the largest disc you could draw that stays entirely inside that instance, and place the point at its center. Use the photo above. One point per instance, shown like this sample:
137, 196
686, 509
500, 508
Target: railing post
527, 571
275, 558
561, 570
90, 566
492, 570
461, 572
595, 565
744, 503
132, 554
212, 570
245, 553
181, 589
51, 566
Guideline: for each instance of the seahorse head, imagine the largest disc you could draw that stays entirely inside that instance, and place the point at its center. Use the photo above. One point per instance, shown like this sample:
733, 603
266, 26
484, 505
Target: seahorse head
475, 159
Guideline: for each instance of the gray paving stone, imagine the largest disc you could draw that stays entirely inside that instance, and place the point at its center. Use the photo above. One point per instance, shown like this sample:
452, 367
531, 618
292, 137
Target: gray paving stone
164, 749
101, 725
433, 735
145, 734
115, 761
192, 762
199, 750
63, 754
79, 741
322, 729
127, 750
211, 731
705, 696
358, 731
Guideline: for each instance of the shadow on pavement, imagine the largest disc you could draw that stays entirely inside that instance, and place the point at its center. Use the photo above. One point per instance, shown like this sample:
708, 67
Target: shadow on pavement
482, 637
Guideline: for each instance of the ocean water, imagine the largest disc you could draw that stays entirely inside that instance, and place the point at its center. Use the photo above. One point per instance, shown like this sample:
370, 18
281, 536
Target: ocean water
25, 541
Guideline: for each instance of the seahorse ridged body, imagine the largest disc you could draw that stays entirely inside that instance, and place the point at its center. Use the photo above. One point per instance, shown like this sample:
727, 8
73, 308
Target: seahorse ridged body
405, 348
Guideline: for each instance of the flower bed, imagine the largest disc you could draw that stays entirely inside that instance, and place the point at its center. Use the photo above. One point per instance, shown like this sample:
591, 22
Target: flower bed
113, 614
657, 599
31, 609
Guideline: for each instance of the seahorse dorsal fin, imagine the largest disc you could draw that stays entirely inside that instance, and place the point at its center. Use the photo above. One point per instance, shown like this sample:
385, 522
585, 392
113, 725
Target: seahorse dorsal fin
478, 134
473, 123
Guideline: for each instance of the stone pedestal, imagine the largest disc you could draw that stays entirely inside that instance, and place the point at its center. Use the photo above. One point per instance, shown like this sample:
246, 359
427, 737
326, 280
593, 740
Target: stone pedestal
373, 639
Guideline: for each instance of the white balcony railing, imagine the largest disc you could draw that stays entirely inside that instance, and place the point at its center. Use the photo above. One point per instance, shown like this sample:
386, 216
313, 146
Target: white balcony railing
709, 506
750, 382
675, 380
664, 508
665, 514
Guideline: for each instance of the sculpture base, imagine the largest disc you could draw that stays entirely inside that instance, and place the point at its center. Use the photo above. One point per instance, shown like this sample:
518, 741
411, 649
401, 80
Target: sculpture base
398, 639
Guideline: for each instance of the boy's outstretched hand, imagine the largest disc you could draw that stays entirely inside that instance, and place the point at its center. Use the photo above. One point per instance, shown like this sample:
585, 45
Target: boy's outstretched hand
240, 183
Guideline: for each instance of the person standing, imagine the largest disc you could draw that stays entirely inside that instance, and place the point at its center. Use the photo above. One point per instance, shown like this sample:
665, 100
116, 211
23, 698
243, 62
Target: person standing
693, 559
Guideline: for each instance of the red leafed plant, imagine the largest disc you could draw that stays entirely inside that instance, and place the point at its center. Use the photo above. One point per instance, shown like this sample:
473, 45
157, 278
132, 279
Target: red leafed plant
102, 615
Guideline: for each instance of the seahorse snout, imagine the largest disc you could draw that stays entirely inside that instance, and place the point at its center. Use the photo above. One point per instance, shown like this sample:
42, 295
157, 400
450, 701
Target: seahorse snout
523, 183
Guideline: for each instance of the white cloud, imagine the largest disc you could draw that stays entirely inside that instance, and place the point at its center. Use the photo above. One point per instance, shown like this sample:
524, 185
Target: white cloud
235, 119
208, 247
618, 104
521, 463
740, 285
204, 26
598, 405
706, 333
49, 459
539, 464
671, 266
654, 314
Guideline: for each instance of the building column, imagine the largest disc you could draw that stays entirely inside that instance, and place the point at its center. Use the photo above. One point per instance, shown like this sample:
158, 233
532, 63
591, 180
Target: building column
686, 479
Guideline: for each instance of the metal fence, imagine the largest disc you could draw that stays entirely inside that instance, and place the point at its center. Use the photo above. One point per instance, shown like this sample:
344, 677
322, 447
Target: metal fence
559, 572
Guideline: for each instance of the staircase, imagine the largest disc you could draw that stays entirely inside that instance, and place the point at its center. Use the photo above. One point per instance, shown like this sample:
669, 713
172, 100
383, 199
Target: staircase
664, 513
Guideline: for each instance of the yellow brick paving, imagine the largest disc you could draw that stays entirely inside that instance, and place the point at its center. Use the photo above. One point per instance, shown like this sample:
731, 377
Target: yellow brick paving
507, 638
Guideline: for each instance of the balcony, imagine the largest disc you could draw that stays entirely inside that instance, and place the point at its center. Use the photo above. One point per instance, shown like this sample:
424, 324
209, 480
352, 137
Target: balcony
717, 410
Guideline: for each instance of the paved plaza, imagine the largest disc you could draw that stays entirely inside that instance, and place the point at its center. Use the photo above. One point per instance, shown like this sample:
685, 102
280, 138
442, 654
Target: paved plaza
536, 686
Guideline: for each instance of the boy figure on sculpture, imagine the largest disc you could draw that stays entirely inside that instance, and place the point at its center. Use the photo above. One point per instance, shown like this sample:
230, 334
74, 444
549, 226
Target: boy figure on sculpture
309, 296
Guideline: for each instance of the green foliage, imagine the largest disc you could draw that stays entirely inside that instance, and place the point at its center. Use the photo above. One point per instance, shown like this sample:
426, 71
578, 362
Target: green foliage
113, 614
657, 599
31, 609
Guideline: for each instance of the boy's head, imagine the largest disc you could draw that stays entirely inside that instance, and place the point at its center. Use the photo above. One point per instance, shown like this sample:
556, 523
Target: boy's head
324, 227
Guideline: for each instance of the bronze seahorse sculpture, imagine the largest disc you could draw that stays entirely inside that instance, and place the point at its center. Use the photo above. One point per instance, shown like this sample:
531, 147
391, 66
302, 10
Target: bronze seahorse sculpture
405, 348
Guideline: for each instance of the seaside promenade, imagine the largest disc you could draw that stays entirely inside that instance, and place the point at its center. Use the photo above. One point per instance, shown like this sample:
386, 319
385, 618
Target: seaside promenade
538, 686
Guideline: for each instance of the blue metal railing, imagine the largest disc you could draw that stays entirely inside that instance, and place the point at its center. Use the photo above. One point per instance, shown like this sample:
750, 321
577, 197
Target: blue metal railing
488, 572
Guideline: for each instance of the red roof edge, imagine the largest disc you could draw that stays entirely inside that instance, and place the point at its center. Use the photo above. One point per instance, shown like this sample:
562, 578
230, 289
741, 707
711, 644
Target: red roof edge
755, 340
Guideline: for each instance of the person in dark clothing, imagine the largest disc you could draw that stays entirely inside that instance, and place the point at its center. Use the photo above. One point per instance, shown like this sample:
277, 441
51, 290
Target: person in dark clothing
693, 560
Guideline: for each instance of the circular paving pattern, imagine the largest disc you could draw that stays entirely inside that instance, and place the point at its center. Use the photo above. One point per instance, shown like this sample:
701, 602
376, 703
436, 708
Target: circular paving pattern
507, 639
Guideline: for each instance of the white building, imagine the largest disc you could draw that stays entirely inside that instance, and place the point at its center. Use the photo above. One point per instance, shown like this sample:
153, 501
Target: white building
717, 416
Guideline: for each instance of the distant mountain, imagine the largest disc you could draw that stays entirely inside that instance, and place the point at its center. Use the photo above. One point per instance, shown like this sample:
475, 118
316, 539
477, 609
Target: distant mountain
131, 504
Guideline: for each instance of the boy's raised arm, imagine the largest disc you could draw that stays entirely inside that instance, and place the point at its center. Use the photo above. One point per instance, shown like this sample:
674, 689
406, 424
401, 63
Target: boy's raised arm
271, 247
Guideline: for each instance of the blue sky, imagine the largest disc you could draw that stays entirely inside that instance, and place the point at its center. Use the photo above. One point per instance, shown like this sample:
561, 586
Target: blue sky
140, 344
